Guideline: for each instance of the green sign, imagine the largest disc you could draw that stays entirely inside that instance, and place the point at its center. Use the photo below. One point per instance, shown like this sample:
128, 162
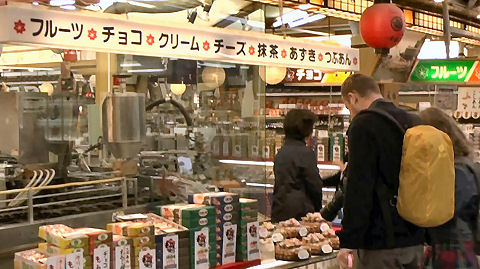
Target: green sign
443, 70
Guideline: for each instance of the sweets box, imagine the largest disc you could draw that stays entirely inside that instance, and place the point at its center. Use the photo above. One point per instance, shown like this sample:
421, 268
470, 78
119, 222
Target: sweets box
35, 259
171, 245
248, 204
122, 249
131, 229
96, 237
62, 236
214, 198
188, 215
212, 259
212, 236
232, 208
52, 250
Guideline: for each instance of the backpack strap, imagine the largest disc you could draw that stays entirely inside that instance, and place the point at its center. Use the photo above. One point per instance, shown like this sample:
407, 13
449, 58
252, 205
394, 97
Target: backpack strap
386, 196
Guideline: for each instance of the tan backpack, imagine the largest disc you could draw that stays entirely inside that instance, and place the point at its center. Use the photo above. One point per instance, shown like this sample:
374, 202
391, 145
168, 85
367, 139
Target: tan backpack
426, 193
426, 186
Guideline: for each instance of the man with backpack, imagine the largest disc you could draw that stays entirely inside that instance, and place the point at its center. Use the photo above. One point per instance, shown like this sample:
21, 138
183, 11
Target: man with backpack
373, 232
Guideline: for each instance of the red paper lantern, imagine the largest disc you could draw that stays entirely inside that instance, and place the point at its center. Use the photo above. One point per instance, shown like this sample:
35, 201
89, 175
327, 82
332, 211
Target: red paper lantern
70, 55
382, 26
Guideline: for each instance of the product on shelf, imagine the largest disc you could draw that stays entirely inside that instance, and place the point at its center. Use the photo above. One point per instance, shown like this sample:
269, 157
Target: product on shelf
227, 220
62, 236
317, 243
314, 223
96, 238
122, 249
337, 147
291, 250
291, 228
247, 238
36, 259
189, 215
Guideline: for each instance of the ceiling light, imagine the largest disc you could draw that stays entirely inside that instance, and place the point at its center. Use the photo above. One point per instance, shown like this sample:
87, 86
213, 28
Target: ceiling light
245, 25
130, 64
35, 3
306, 20
478, 16
204, 16
234, 12
438, 1
68, 7
58, 3
145, 70
139, 4
290, 17
305, 6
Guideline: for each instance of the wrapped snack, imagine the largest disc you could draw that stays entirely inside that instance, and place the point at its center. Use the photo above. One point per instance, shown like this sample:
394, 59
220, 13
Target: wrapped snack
335, 242
30, 259
291, 250
317, 244
314, 223
291, 228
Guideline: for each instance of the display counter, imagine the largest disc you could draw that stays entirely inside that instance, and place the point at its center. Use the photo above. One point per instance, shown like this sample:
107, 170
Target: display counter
319, 262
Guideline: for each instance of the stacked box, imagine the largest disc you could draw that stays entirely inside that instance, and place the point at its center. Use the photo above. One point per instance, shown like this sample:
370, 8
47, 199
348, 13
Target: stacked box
61, 240
122, 249
337, 147
247, 238
196, 218
142, 238
36, 259
99, 245
171, 241
227, 218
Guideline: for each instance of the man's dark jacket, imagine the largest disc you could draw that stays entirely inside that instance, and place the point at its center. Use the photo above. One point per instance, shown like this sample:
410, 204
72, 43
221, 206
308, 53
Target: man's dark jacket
375, 150
298, 186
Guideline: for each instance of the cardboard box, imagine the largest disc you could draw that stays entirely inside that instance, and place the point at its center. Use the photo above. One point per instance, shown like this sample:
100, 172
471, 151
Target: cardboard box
62, 236
337, 147
227, 209
117, 227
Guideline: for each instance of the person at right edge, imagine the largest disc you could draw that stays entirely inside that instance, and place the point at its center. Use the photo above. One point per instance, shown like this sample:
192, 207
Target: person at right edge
452, 244
375, 152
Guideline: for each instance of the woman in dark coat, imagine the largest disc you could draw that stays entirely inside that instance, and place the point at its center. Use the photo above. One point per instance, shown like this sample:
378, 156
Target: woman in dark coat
298, 186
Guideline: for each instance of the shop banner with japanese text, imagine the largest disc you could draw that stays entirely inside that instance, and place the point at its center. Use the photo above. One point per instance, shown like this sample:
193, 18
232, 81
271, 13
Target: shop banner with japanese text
86, 30
448, 71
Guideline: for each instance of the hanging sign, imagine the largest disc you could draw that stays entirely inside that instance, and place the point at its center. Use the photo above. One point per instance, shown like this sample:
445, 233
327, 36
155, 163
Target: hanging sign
454, 71
302, 75
86, 30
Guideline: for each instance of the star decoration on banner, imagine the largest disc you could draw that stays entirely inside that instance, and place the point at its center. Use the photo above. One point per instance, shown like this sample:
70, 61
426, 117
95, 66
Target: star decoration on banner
355, 61
150, 39
251, 50
19, 27
320, 57
284, 53
92, 34
206, 46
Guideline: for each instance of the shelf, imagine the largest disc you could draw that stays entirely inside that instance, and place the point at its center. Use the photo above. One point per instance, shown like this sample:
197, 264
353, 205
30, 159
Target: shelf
286, 94
269, 163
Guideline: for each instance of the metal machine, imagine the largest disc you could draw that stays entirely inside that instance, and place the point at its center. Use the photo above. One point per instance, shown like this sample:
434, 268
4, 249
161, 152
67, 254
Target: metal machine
123, 118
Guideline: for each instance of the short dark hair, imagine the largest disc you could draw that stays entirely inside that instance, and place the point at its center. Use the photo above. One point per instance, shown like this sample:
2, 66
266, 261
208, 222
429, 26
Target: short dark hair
298, 123
364, 85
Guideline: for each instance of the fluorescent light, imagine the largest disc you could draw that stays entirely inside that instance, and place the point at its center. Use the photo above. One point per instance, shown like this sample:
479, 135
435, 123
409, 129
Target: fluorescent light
58, 3
130, 64
27, 68
290, 17
306, 20
259, 185
35, 3
258, 163
304, 6
438, 1
233, 12
145, 70
139, 4
68, 7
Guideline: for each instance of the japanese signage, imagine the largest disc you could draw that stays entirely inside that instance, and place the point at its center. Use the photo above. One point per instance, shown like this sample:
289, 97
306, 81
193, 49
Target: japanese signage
301, 75
456, 71
84, 30
468, 103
